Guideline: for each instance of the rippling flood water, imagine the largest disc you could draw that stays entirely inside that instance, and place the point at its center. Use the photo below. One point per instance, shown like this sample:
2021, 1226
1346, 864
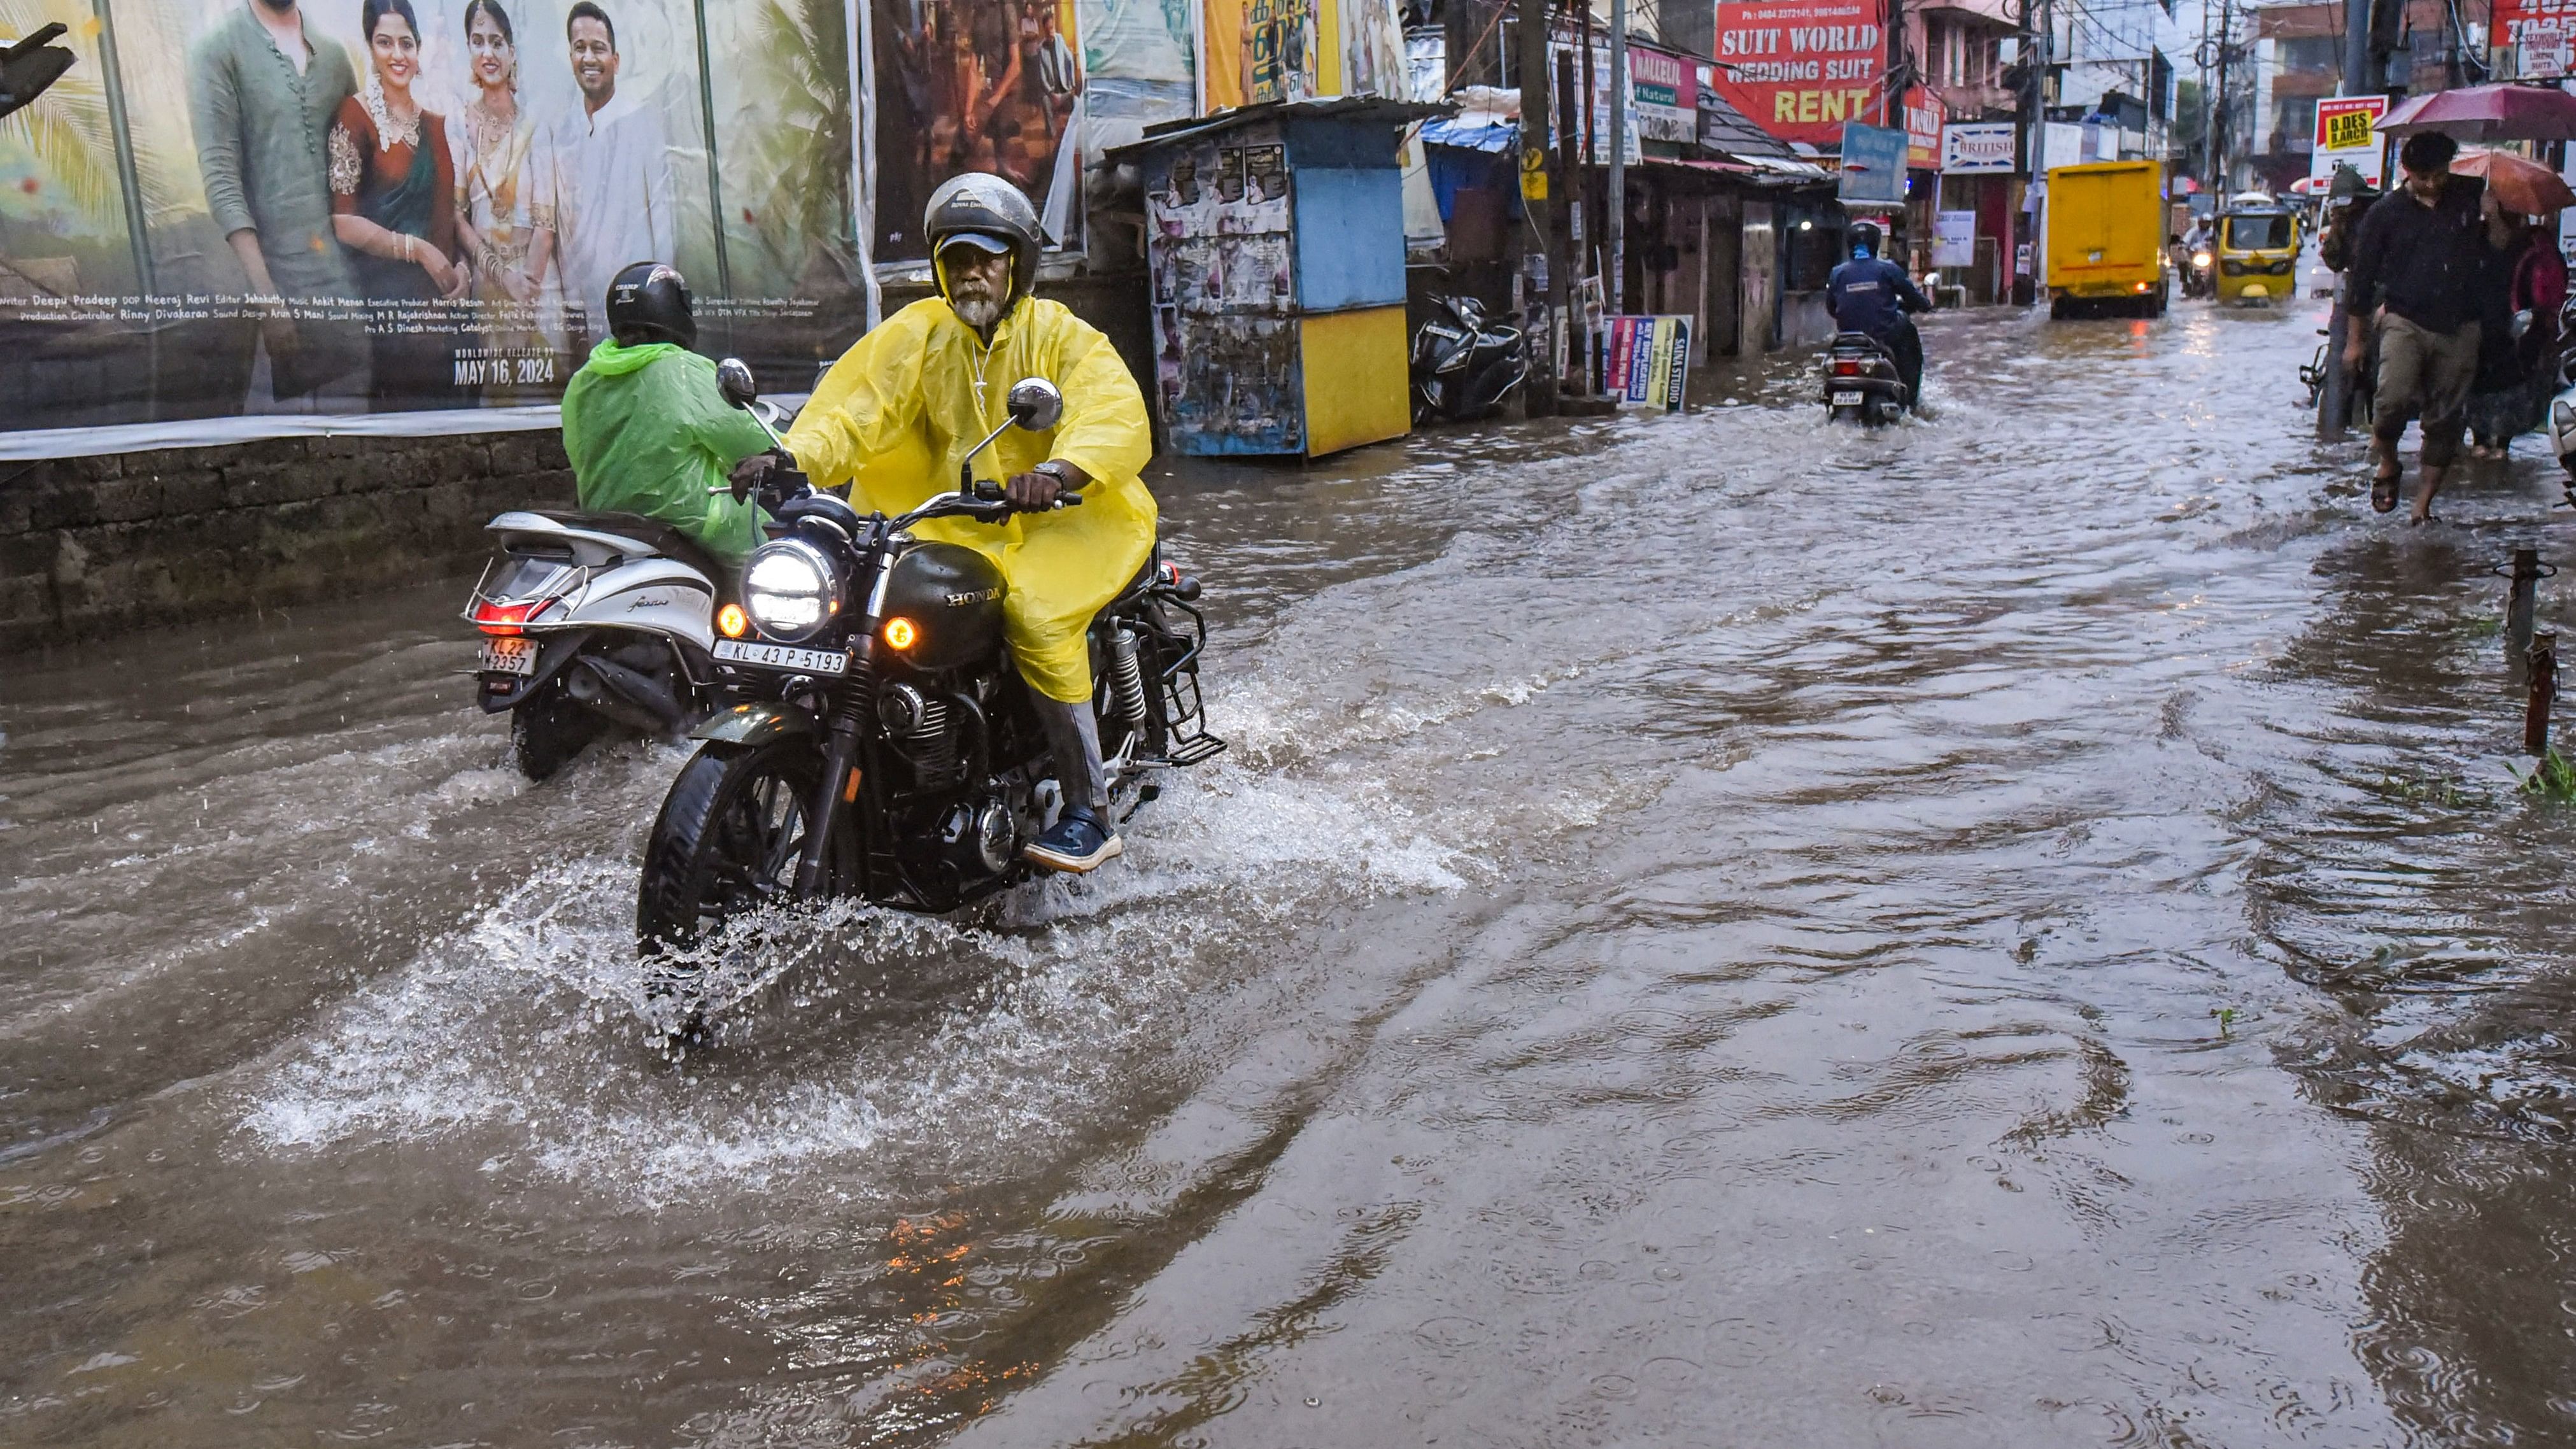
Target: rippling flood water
1712, 931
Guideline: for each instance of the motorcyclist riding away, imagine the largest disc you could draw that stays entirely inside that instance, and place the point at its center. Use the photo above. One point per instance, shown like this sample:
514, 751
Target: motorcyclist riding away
897, 413
1873, 295
646, 427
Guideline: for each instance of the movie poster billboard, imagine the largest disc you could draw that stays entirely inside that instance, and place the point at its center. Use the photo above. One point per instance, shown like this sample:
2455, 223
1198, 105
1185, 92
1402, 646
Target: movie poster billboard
400, 206
1140, 66
976, 85
1799, 69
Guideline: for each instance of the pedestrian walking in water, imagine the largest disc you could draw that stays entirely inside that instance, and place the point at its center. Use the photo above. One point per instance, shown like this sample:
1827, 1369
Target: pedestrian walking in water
2517, 372
2422, 261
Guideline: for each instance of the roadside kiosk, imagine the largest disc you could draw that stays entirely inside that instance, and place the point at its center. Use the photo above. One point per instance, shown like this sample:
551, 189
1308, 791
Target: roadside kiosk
1275, 250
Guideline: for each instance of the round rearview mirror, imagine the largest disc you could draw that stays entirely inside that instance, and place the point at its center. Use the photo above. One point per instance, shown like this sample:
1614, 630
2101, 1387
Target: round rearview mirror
733, 379
1035, 404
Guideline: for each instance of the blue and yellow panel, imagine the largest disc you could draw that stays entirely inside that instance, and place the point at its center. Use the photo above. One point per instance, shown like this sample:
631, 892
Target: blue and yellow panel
1358, 389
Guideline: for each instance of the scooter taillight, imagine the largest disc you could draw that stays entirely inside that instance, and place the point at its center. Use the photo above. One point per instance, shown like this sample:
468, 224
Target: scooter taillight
504, 620
1846, 367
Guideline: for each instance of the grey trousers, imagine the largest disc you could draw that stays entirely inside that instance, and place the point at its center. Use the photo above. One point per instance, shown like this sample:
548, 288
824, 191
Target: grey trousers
1073, 736
2427, 372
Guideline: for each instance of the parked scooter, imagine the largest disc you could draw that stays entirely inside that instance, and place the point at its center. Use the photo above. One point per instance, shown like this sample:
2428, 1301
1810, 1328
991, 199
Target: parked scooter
1862, 384
1463, 366
593, 623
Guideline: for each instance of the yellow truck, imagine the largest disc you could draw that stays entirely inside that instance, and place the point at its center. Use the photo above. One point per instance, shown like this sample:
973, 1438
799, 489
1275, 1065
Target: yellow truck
2106, 239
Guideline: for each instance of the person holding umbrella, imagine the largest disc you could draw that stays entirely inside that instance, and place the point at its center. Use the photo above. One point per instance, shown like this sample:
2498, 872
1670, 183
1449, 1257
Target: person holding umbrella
2518, 352
2423, 263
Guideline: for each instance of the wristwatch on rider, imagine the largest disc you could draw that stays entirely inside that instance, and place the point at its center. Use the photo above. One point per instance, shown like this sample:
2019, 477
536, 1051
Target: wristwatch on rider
1061, 471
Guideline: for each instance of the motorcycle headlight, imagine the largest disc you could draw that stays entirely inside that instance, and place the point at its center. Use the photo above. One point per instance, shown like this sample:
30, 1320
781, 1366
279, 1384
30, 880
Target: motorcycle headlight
2200, 259
790, 589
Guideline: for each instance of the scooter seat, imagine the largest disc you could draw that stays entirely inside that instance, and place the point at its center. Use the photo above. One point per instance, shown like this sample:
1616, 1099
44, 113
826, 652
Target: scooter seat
649, 535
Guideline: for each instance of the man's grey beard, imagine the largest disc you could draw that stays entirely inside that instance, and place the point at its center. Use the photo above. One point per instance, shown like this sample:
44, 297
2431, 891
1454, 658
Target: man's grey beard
980, 314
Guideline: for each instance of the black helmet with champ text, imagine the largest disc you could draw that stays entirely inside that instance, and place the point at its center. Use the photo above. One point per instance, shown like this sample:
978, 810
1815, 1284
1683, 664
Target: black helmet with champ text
1867, 239
983, 210
649, 302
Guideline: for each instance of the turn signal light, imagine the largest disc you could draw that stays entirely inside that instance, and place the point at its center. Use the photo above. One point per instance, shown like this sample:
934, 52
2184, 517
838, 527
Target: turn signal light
901, 633
502, 621
732, 622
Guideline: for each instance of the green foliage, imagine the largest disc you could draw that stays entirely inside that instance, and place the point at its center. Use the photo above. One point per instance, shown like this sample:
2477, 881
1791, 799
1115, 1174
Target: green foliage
2552, 779
2442, 790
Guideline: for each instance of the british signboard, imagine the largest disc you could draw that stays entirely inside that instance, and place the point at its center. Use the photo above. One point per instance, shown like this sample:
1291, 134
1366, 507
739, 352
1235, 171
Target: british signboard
1977, 148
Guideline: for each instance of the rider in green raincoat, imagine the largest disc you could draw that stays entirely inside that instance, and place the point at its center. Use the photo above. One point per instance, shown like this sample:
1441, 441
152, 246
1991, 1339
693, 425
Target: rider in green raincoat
646, 428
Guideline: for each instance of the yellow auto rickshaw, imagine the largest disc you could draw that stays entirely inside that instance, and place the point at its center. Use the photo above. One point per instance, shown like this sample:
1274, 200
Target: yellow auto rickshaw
2258, 254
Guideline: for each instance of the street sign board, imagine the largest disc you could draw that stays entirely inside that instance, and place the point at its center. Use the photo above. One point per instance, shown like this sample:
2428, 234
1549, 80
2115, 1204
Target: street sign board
1873, 164
2347, 134
1922, 128
2541, 34
1800, 68
1977, 148
1645, 361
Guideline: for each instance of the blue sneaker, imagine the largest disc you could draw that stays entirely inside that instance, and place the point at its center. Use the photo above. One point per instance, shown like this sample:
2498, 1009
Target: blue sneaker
1079, 842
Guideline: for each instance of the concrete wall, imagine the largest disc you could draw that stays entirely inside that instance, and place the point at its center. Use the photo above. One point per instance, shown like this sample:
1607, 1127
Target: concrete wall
91, 546
94, 546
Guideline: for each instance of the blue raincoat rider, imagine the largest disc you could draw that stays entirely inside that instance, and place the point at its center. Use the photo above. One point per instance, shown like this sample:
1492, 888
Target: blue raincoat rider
1870, 294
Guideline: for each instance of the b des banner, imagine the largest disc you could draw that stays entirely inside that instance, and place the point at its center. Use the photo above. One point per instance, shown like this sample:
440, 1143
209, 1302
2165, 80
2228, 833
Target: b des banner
1801, 68
398, 206
2347, 135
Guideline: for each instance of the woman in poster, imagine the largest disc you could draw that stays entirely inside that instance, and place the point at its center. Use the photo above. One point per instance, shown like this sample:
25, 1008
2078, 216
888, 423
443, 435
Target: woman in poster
393, 204
505, 199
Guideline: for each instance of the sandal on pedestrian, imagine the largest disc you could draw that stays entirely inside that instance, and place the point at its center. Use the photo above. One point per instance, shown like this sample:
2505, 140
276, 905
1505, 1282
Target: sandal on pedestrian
2383, 492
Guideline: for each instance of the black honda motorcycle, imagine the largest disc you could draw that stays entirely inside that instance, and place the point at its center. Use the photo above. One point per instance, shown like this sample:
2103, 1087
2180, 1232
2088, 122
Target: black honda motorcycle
1862, 384
1463, 366
873, 738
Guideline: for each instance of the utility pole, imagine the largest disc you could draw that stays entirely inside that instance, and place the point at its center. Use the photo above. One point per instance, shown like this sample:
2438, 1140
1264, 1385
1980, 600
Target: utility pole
2033, 126
2218, 135
1615, 207
1541, 208
2334, 400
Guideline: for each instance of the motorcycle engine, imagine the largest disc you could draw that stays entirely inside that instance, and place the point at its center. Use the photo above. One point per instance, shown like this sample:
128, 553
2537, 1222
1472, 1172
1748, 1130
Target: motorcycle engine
978, 836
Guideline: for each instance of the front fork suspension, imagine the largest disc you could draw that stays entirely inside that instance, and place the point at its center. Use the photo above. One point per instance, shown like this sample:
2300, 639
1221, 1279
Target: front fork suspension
845, 732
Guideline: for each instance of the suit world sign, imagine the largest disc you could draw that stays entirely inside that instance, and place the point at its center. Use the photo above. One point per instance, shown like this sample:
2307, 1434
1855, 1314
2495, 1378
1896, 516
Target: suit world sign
1802, 68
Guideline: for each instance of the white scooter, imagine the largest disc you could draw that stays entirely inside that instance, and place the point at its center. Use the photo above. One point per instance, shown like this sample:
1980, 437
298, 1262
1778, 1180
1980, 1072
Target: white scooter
593, 622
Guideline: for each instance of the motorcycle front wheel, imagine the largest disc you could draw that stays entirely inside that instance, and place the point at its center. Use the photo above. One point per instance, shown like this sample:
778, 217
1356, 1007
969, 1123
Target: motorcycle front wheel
727, 841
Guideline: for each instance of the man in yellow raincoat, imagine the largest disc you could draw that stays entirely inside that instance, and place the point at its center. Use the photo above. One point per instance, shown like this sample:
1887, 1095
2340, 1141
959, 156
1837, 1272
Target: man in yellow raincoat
897, 413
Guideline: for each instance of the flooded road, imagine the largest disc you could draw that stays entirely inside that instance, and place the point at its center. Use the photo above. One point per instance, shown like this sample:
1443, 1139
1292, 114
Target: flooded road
2013, 931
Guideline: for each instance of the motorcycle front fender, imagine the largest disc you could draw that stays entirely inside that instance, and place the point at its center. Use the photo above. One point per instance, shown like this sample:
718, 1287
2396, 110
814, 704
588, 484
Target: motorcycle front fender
756, 724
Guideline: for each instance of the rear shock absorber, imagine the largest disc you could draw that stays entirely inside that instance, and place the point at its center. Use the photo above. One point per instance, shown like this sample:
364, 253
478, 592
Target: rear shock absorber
1126, 678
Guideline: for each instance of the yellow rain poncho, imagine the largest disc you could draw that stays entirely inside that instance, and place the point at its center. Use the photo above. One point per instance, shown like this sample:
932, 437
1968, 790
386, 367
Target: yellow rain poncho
898, 411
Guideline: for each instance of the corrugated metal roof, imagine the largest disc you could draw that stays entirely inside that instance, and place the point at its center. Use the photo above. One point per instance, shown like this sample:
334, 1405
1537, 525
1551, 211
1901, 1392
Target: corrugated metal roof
1357, 109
